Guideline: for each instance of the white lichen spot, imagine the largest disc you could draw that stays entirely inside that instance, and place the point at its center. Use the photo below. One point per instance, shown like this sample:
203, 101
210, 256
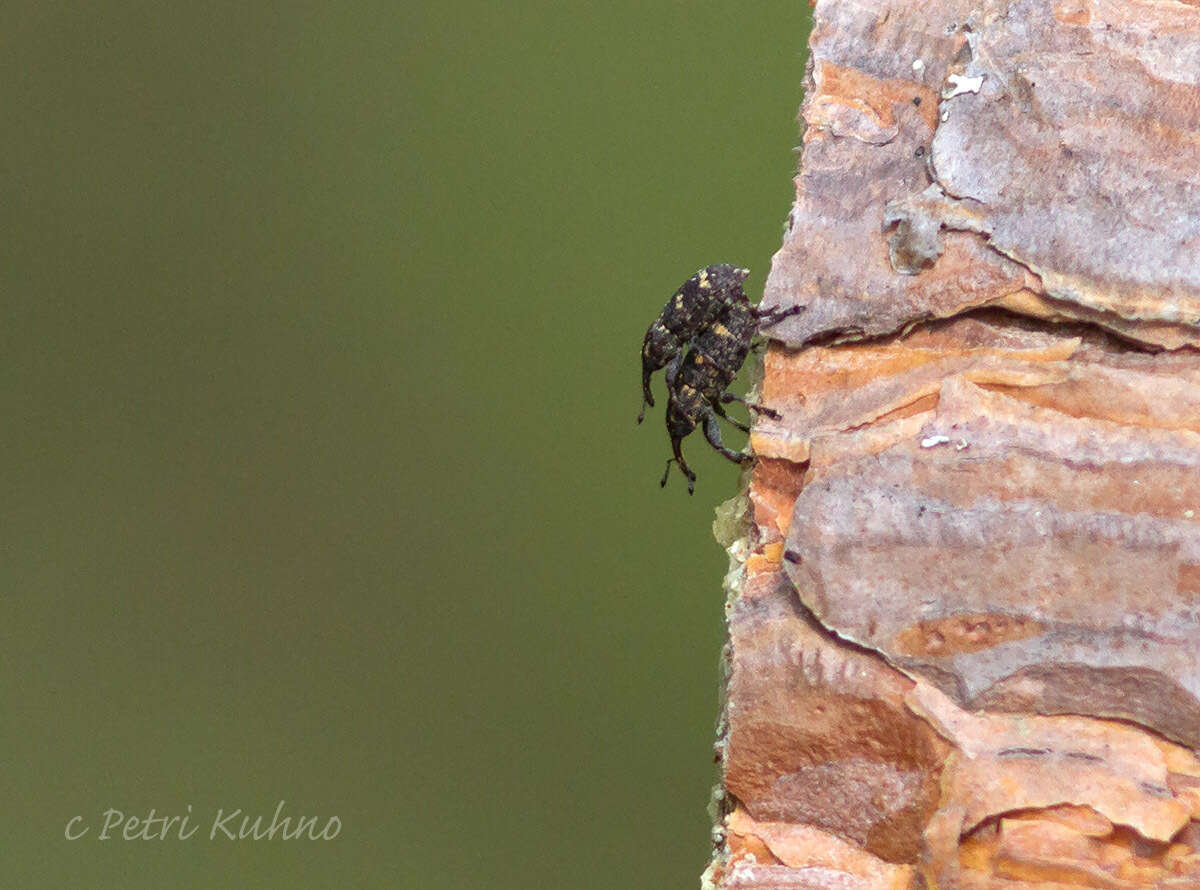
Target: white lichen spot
962, 445
960, 84
1188, 514
934, 441
918, 66
945, 116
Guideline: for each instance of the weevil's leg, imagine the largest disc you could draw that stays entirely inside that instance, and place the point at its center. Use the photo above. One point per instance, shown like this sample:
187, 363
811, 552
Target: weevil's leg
774, 316
642, 414
757, 409
712, 432
647, 396
721, 411
683, 467
673, 370
647, 370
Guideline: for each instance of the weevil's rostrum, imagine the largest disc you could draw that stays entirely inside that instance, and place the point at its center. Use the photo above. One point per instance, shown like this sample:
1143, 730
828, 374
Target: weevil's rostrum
712, 318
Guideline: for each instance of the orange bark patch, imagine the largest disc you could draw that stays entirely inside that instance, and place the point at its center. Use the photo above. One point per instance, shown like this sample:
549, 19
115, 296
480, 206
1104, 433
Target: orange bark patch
965, 633
848, 89
773, 491
1189, 580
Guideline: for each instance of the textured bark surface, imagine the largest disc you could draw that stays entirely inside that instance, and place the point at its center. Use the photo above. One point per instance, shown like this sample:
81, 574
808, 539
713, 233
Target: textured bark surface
965, 616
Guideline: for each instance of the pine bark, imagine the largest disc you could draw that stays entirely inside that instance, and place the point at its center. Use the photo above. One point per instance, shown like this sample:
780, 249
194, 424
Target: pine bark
964, 609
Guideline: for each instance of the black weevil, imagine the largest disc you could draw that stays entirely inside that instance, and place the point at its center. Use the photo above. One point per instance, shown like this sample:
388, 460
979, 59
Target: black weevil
697, 385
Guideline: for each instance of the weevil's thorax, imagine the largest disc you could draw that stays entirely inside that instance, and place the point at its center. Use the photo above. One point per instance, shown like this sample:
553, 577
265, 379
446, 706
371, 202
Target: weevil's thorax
726, 343
702, 374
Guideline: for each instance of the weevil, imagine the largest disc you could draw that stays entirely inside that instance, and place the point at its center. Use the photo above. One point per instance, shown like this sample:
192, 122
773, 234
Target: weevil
691, 310
697, 386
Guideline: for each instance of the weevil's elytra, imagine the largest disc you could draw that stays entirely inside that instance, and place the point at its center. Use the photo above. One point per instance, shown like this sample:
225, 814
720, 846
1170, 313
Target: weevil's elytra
690, 310
711, 317
701, 380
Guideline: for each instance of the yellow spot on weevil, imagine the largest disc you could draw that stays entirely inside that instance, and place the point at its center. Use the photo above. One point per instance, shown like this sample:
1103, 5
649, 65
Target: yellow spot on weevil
720, 330
704, 285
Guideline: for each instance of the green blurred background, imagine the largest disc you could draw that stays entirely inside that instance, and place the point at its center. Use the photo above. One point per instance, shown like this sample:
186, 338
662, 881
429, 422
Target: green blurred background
321, 479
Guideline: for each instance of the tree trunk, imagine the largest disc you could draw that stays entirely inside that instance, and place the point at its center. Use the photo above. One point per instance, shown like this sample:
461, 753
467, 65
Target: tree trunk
965, 608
